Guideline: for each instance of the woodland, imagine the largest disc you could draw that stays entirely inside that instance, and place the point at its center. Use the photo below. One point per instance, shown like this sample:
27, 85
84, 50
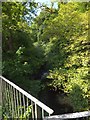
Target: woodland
47, 53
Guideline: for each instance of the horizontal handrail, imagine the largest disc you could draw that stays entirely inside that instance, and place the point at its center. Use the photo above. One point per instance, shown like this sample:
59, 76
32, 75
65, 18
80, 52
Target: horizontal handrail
40, 104
69, 116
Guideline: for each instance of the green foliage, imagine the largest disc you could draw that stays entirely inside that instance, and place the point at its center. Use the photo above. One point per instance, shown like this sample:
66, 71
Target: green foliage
0, 111
66, 46
20, 57
59, 78
57, 39
25, 115
78, 97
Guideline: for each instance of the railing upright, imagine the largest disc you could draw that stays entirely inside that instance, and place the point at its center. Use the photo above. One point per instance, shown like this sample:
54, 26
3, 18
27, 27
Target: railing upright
0, 98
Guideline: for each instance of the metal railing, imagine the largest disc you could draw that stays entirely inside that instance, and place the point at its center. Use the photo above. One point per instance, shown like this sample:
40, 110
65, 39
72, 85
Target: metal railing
17, 103
71, 116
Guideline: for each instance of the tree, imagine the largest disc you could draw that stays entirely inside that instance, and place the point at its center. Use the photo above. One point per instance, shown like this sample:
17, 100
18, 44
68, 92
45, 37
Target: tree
54, 42
64, 39
21, 57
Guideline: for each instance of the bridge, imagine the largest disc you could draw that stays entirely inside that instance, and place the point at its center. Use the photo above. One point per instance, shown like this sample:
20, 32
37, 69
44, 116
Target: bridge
17, 103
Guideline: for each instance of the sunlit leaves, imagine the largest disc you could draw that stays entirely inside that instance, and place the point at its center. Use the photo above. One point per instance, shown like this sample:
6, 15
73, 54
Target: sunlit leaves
56, 40
67, 48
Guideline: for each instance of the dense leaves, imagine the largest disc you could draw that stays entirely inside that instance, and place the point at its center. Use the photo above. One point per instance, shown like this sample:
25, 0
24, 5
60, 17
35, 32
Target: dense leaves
51, 51
64, 38
21, 57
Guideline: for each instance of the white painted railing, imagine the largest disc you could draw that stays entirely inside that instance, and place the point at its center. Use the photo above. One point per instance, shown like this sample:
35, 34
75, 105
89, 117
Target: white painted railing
17, 103
76, 116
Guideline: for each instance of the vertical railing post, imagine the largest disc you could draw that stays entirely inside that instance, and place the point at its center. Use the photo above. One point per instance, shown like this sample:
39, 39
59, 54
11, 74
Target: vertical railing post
17, 99
12, 101
21, 113
3, 97
0, 59
42, 113
24, 106
0, 98
32, 104
15, 104
6, 98
27, 108
35, 111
